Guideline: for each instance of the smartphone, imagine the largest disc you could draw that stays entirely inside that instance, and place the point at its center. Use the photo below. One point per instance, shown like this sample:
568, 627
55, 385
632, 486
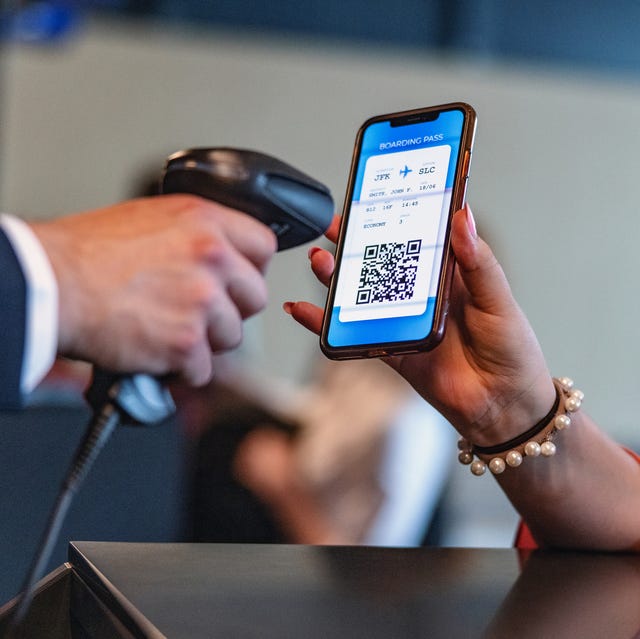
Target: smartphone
389, 293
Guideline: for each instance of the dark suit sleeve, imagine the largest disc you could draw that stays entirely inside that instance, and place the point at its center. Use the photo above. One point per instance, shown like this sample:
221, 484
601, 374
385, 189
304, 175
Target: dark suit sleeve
13, 300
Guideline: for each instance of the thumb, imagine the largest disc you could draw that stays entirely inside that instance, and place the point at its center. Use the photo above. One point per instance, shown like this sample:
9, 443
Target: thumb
478, 267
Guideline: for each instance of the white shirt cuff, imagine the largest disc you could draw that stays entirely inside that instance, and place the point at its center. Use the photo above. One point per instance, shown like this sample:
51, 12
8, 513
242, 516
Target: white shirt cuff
41, 334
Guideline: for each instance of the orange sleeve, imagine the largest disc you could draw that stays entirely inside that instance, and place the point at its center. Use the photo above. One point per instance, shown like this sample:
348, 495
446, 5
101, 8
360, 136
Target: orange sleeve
524, 539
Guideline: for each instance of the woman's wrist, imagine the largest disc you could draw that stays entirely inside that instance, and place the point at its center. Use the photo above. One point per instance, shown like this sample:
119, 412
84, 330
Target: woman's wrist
518, 415
537, 440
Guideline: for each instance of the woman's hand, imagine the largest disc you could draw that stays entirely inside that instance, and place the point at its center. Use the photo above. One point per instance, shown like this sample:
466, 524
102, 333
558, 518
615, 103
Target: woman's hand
488, 376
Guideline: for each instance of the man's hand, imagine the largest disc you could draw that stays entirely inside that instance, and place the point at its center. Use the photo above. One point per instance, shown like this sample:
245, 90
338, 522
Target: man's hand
158, 284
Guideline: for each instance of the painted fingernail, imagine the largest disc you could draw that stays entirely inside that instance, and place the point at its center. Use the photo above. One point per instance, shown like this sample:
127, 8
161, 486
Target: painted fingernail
287, 307
312, 251
471, 223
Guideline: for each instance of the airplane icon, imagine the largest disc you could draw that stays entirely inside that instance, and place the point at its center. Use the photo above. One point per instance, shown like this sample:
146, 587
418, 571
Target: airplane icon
404, 172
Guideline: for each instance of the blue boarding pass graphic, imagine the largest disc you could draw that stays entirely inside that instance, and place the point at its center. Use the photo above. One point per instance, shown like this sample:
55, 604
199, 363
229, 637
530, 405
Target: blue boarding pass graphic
396, 235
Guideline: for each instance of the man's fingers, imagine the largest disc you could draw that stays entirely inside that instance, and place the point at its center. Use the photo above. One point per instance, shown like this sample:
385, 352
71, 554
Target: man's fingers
224, 325
248, 292
198, 369
248, 236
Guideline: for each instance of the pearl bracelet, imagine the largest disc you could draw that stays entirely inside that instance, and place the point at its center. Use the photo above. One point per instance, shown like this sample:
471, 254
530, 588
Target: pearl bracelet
536, 441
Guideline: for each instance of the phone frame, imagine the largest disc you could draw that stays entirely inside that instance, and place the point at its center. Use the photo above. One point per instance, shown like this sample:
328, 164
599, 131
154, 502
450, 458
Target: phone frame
445, 278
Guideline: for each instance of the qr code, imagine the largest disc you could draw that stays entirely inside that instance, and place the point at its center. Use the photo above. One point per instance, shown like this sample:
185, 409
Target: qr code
388, 272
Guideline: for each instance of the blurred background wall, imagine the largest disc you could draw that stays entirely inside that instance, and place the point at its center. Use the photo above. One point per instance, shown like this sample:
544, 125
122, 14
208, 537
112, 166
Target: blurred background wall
93, 102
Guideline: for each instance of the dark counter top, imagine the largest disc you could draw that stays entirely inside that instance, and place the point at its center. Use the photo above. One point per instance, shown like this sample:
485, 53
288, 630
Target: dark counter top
238, 591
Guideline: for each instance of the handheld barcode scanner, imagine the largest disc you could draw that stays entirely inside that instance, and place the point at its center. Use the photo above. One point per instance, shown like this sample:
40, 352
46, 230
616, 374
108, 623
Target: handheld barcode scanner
293, 205
296, 207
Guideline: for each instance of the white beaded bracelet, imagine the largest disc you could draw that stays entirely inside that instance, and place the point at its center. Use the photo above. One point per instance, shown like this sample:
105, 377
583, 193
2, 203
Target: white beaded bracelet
538, 440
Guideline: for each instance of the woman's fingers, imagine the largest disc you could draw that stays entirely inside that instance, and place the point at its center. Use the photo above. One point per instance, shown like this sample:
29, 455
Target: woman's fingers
332, 232
322, 264
479, 269
305, 313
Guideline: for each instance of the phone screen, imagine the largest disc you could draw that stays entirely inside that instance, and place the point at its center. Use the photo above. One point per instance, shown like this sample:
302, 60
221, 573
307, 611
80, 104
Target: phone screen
398, 209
